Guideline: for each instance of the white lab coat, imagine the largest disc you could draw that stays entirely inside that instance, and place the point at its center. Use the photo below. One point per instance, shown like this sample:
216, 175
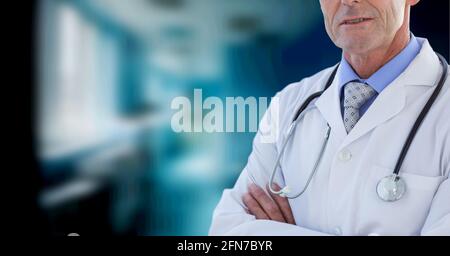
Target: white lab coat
342, 198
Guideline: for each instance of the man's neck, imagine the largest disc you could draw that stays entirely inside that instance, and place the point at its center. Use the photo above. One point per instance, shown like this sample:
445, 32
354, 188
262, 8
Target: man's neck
368, 63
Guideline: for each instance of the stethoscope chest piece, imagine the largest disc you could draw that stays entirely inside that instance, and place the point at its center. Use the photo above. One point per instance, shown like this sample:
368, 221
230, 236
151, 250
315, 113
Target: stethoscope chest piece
391, 188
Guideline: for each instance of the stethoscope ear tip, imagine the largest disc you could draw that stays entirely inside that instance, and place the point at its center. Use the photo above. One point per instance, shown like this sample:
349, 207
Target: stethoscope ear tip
285, 191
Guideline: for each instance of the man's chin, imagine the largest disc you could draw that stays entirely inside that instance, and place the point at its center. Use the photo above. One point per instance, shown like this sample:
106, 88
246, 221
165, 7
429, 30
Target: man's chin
357, 46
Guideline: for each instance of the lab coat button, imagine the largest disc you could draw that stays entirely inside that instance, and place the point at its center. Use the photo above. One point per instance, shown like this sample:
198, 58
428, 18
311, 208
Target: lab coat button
345, 155
337, 231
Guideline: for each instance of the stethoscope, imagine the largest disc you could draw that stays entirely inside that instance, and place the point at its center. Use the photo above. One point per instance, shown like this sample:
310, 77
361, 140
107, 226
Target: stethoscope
390, 188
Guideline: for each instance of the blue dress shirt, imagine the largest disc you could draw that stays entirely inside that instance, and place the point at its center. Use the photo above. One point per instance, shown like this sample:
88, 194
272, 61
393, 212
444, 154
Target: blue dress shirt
383, 77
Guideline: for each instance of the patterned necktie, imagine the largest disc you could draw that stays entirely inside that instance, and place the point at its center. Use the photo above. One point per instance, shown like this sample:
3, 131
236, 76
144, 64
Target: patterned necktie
356, 94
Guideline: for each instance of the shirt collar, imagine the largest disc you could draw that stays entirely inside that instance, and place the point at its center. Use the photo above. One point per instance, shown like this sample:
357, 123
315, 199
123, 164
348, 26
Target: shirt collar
386, 74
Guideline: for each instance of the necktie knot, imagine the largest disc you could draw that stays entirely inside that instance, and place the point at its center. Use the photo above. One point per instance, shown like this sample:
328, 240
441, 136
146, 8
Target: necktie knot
355, 95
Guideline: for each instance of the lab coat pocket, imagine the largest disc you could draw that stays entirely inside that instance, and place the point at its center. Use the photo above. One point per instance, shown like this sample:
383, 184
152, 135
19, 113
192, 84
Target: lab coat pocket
405, 216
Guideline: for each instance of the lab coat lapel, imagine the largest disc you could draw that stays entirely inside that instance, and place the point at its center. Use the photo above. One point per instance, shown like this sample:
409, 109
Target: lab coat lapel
387, 105
330, 107
422, 72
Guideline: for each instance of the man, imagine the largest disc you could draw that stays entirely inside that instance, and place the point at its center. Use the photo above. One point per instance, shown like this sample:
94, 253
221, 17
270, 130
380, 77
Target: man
383, 82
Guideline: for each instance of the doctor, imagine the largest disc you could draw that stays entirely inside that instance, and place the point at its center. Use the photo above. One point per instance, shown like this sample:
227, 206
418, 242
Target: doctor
381, 85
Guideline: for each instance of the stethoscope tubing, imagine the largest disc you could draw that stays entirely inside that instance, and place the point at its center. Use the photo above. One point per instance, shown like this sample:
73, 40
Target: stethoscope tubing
303, 109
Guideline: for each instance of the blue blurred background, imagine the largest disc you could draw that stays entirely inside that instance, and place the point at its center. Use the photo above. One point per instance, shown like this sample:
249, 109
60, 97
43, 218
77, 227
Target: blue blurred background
107, 71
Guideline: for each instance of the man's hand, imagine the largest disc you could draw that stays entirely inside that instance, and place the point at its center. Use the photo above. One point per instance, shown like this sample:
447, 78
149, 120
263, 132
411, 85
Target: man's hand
262, 206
